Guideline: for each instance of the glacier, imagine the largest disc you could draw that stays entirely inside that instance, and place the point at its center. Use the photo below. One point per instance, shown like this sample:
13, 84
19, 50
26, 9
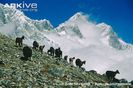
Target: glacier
98, 44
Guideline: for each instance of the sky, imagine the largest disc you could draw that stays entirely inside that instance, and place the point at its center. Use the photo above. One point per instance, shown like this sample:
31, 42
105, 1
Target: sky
117, 13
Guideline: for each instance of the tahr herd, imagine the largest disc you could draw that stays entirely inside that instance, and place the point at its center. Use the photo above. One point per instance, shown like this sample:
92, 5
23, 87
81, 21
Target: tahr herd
57, 53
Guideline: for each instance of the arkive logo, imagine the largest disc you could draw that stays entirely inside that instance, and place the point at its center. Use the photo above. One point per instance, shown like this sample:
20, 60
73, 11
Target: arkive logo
24, 6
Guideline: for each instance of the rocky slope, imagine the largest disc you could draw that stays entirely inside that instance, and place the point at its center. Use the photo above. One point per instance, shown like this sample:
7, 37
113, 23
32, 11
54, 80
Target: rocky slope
42, 71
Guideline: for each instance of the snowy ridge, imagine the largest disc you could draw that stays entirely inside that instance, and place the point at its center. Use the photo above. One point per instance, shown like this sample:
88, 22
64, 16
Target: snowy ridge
98, 44
13, 15
78, 25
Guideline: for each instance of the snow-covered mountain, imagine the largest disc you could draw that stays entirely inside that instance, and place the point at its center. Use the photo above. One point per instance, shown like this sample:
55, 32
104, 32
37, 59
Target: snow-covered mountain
14, 23
98, 44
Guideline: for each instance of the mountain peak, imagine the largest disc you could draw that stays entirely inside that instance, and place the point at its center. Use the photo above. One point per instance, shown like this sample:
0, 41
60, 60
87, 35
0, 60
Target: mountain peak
79, 16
